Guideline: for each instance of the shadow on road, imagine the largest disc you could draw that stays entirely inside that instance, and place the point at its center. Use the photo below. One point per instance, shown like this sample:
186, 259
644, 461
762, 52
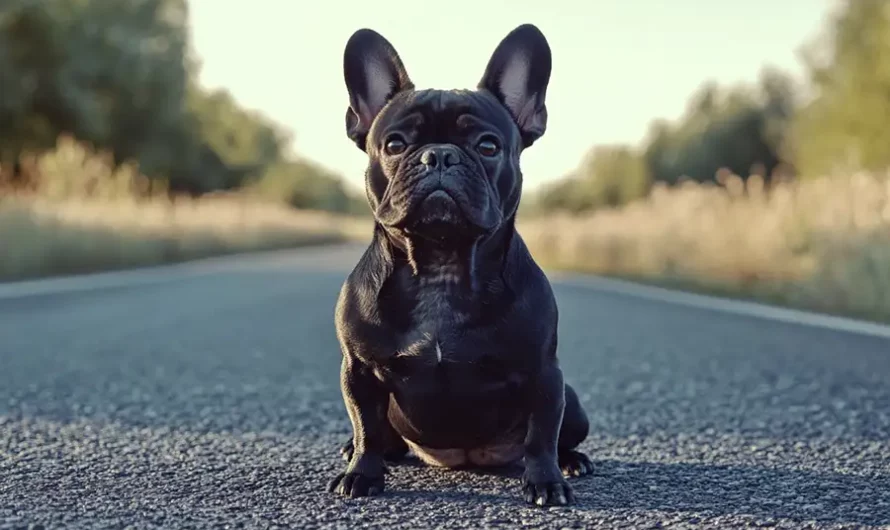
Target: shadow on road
694, 490
720, 490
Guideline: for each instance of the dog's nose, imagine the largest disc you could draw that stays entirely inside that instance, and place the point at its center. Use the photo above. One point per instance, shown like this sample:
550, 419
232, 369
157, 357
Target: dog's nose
440, 157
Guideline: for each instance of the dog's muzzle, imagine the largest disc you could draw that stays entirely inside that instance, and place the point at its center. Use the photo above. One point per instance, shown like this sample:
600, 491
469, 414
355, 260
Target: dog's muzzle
441, 194
442, 186
438, 206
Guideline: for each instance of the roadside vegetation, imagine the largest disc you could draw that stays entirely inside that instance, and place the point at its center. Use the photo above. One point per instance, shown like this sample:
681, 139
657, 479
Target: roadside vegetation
112, 155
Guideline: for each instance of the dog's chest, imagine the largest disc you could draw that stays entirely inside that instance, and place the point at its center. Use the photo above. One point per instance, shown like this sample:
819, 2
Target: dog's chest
440, 294
438, 306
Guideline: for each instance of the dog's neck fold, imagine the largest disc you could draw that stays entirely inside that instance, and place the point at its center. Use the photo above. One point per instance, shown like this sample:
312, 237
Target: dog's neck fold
472, 262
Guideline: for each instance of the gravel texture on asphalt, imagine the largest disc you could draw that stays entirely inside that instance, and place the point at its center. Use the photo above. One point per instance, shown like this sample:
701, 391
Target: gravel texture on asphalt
209, 399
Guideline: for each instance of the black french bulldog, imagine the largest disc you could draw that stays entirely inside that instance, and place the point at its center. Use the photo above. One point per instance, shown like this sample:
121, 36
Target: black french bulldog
448, 327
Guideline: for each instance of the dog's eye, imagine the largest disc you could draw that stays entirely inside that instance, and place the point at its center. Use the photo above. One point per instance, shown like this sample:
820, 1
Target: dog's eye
488, 147
395, 145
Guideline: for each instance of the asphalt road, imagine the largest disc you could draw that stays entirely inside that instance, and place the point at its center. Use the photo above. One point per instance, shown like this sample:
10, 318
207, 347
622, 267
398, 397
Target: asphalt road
206, 395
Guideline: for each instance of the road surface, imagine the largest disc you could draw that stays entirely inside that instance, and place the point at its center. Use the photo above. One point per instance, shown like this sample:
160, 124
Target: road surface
205, 395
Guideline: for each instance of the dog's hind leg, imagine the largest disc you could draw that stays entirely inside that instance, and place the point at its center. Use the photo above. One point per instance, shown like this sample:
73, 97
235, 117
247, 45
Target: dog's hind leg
574, 429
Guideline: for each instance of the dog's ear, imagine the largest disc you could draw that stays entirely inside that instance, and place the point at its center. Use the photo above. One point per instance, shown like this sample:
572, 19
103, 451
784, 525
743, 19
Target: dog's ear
518, 73
374, 73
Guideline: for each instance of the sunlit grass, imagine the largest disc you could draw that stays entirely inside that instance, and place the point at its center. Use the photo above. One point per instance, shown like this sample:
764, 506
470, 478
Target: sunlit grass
40, 237
85, 216
820, 244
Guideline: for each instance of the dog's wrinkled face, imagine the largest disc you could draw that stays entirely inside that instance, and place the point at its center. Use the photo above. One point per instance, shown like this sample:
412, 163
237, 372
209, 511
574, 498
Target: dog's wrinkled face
444, 164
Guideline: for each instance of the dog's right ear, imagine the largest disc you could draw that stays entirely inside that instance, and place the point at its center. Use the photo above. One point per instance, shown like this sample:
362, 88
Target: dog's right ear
374, 73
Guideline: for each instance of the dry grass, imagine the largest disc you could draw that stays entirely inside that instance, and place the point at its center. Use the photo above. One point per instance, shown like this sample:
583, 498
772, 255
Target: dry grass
821, 244
41, 237
83, 216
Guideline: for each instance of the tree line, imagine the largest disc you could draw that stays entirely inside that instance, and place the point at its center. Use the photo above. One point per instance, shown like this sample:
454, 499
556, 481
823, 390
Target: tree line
834, 123
120, 76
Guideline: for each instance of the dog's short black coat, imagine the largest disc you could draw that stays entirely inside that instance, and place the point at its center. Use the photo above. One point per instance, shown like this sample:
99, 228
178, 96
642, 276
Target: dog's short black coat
448, 327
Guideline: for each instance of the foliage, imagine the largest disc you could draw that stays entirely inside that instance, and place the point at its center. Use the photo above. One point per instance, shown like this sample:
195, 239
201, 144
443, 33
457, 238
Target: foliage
740, 129
775, 128
120, 76
306, 185
113, 74
845, 125
818, 243
609, 176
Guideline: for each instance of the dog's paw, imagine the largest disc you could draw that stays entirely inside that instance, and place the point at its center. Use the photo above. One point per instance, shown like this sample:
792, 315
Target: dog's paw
574, 464
546, 490
556, 493
354, 484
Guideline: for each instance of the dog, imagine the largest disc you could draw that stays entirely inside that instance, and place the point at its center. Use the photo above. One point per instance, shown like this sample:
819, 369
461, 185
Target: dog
447, 326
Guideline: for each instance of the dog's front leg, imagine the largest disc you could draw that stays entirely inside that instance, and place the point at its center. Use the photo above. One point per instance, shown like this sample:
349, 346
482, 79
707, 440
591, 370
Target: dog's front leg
543, 482
366, 403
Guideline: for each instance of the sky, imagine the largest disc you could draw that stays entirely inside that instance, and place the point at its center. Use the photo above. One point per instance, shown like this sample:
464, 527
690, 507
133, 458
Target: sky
617, 65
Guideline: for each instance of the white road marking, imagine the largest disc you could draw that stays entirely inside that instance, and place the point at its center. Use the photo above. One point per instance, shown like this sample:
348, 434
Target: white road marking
330, 256
725, 305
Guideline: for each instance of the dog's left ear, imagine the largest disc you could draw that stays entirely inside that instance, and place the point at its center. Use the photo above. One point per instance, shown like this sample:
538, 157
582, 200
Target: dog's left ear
518, 73
374, 73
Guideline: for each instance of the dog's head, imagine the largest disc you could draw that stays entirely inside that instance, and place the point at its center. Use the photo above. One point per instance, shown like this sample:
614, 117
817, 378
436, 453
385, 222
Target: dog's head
444, 164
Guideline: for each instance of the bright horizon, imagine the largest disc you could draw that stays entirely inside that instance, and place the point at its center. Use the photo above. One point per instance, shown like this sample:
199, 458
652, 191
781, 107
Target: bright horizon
614, 71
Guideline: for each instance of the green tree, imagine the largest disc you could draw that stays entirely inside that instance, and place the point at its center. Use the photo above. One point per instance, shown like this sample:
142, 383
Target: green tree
119, 75
615, 175
306, 185
741, 128
608, 176
111, 73
564, 194
845, 125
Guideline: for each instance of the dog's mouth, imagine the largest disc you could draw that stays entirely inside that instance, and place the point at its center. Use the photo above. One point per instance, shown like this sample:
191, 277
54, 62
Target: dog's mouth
439, 207
438, 216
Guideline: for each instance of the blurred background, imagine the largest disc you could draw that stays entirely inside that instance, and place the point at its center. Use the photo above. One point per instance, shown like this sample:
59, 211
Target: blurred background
736, 148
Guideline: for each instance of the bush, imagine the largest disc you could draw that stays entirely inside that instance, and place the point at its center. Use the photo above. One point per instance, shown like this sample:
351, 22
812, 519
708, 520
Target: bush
821, 243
